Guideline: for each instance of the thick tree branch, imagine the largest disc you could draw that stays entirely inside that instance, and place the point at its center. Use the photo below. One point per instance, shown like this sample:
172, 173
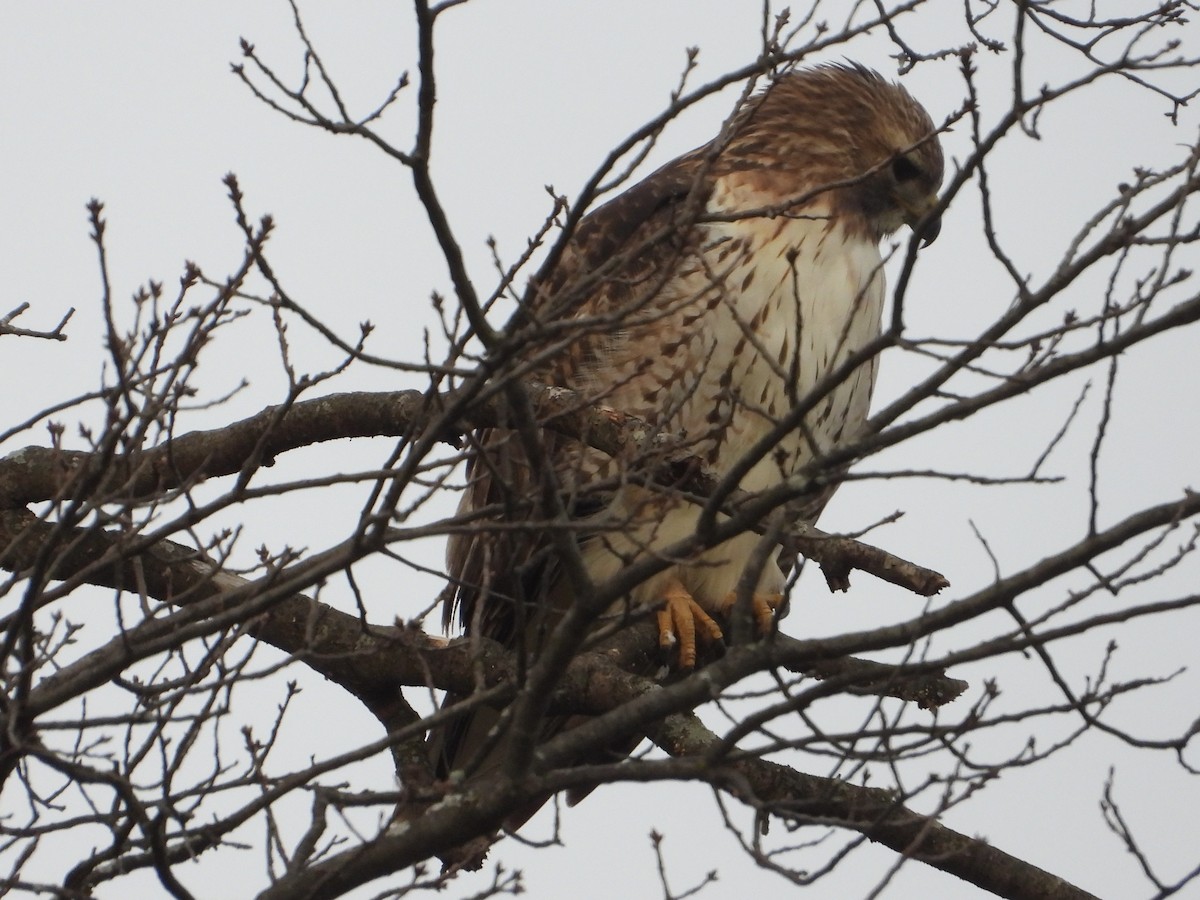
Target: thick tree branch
367, 660
876, 813
41, 473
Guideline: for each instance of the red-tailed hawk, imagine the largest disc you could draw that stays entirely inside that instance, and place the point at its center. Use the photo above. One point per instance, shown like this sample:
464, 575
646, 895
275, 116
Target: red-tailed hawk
708, 300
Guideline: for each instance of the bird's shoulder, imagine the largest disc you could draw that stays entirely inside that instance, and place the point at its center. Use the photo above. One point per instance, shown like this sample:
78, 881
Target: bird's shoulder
625, 240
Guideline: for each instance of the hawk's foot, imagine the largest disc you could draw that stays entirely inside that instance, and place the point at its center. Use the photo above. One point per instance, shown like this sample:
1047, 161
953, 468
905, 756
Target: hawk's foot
762, 606
682, 621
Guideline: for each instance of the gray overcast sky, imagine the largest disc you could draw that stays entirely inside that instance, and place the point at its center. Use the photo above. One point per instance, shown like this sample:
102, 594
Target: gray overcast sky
134, 103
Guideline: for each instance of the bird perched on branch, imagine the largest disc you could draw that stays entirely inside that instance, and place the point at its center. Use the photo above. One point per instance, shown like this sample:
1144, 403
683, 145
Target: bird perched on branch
723, 300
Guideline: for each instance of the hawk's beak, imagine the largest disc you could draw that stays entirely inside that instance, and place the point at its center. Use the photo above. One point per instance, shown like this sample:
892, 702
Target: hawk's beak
926, 220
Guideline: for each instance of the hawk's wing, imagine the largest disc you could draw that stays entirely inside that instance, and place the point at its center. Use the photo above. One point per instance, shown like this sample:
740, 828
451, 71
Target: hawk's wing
617, 261
504, 576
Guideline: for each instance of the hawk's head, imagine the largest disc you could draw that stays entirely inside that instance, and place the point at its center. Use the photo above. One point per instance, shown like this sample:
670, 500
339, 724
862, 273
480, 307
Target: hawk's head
847, 127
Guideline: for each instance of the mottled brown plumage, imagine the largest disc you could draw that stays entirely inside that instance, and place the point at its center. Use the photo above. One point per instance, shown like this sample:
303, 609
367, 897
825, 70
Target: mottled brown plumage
709, 300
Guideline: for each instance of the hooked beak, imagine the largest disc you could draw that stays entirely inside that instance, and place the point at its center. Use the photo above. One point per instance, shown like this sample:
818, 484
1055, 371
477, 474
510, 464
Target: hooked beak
926, 220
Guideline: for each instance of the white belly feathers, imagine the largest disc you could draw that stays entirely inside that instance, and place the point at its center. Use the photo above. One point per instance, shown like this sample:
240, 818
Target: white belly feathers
769, 308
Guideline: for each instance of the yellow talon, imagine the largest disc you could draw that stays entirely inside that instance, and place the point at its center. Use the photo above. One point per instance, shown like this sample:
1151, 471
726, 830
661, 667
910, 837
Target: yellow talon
762, 606
682, 621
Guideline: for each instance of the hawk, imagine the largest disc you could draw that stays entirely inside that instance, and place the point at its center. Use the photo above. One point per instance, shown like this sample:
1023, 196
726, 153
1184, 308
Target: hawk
709, 300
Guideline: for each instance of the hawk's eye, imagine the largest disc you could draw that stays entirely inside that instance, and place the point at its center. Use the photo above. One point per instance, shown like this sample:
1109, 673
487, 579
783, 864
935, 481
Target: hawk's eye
904, 169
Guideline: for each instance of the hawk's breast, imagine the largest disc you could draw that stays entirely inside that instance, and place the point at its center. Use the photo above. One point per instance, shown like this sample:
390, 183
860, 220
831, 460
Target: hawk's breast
748, 327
